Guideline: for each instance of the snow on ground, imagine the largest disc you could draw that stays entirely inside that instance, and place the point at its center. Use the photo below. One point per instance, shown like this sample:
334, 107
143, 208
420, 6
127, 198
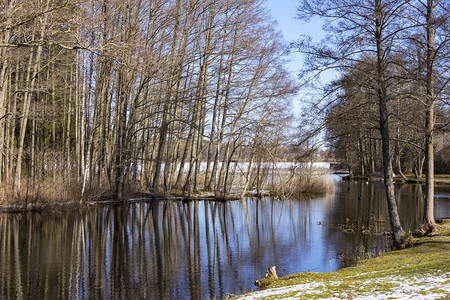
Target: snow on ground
243, 166
428, 286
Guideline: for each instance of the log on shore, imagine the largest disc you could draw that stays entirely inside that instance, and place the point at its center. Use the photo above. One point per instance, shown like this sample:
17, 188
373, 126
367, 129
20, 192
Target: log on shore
270, 275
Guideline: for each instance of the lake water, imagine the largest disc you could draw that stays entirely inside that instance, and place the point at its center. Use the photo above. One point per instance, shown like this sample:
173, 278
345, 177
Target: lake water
199, 249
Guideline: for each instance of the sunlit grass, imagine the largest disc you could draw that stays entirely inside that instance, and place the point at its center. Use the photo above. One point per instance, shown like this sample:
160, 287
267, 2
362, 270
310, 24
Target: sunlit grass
428, 256
437, 177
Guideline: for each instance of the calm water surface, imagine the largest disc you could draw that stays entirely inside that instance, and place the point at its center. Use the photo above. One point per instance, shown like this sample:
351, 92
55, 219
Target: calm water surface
195, 250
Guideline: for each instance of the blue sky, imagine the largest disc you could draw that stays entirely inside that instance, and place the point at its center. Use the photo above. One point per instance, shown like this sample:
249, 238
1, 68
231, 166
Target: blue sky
284, 12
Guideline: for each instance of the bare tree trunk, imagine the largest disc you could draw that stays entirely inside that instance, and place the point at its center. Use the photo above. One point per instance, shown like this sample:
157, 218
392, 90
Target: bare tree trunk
3, 91
399, 235
165, 118
428, 218
4, 65
397, 155
13, 125
361, 156
53, 120
35, 98
26, 107
207, 182
9, 126
67, 132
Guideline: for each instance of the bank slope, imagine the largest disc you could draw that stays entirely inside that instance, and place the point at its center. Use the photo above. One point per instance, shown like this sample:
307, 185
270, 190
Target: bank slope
421, 272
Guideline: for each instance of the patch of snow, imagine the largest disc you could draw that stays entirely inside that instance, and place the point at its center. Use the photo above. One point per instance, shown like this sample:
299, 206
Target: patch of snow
415, 287
284, 290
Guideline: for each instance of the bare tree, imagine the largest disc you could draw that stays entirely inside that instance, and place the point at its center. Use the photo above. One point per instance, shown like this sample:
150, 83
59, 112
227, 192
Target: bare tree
363, 28
434, 38
115, 95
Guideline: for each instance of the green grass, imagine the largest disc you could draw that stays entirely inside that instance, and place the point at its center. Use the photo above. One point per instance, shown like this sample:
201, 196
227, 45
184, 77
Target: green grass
438, 178
429, 255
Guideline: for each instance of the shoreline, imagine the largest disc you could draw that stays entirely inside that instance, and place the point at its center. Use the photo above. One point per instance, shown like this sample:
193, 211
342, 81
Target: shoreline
421, 271
106, 198
440, 179
40, 206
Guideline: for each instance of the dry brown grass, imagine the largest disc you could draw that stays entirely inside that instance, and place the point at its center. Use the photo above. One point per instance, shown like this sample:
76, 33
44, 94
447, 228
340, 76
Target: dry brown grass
41, 192
305, 184
50, 192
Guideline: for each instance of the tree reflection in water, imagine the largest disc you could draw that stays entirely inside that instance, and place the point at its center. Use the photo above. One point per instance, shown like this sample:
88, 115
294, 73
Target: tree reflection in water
194, 250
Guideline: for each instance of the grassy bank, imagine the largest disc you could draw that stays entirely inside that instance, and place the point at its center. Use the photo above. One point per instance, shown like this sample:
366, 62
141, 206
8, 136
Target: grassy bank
439, 179
422, 271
